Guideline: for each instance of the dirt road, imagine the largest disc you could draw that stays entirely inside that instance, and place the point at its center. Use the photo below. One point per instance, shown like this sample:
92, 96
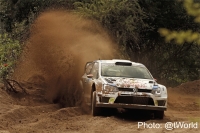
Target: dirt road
52, 63
22, 113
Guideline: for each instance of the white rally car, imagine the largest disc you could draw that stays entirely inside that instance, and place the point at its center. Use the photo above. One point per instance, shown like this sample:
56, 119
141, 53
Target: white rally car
122, 84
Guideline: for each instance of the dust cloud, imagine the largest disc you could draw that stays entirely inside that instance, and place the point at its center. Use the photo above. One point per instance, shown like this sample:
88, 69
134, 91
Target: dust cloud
60, 44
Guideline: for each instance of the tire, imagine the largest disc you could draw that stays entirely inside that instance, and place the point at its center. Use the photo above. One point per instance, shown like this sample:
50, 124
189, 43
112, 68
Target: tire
95, 110
159, 114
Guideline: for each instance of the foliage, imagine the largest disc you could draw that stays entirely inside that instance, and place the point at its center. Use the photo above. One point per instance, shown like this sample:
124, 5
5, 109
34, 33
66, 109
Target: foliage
182, 36
16, 18
171, 63
123, 18
17, 15
135, 25
9, 53
193, 9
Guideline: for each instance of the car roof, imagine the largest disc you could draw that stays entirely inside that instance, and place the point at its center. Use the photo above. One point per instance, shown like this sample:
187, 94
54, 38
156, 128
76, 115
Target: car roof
118, 60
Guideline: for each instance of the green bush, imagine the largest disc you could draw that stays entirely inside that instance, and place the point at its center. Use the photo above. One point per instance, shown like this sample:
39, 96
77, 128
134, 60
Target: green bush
9, 53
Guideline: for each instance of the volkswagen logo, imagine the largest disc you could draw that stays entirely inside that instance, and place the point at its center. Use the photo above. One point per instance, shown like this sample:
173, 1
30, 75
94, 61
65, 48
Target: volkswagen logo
135, 90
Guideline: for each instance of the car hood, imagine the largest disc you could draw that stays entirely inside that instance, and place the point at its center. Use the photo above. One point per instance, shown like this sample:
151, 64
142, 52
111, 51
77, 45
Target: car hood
130, 82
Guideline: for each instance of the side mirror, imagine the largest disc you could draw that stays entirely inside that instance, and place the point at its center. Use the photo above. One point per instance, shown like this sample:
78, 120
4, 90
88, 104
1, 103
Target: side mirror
89, 75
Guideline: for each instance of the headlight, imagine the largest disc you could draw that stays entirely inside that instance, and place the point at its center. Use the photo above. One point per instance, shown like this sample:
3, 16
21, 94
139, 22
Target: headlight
156, 90
110, 88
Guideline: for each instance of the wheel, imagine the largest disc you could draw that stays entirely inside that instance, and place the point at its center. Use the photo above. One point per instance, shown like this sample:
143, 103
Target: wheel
95, 110
159, 114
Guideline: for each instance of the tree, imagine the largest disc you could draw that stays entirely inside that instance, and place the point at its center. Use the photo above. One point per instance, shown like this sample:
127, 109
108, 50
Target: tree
134, 25
190, 35
122, 18
17, 15
167, 61
187, 37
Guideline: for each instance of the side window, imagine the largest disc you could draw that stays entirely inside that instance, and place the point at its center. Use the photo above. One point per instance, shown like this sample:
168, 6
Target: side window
95, 70
88, 68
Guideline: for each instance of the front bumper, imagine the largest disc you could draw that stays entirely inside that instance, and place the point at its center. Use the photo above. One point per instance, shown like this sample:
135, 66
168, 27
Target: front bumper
131, 106
145, 101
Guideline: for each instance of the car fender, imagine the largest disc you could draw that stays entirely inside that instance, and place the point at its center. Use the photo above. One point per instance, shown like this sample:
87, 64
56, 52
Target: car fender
163, 90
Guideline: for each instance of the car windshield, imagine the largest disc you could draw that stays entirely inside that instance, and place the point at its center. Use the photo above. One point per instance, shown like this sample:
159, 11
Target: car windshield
112, 70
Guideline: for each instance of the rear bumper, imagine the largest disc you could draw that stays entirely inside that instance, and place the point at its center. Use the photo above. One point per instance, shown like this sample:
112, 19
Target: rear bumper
131, 106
